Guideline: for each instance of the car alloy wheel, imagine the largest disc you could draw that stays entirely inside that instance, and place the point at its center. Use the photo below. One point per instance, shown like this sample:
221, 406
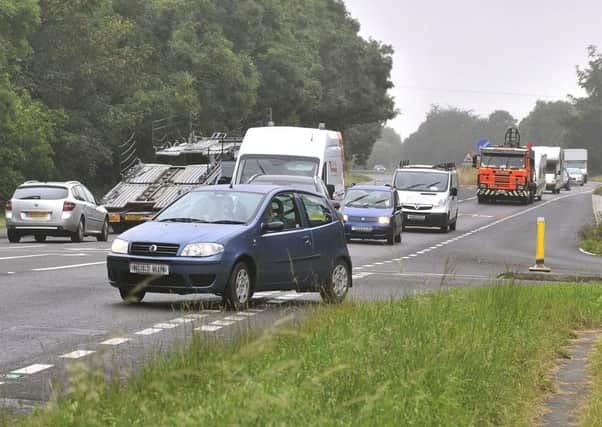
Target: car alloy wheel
335, 290
239, 287
243, 285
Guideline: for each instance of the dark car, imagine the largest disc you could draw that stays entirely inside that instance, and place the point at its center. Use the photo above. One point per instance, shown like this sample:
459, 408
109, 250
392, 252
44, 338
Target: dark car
233, 241
372, 212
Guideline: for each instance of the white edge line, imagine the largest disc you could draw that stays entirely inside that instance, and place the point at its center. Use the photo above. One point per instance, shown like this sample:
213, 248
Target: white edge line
62, 267
77, 354
32, 369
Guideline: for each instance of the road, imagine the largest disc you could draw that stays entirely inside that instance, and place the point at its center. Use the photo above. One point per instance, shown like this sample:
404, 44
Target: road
56, 306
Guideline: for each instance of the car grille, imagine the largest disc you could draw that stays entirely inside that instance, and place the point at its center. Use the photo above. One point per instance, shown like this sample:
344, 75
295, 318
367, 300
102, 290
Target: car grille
363, 219
418, 207
154, 249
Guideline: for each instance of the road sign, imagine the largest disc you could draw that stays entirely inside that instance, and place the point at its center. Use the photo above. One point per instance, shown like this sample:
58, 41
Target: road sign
468, 158
482, 144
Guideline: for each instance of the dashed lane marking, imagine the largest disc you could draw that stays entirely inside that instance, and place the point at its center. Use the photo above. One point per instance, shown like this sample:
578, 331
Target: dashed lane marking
63, 267
245, 313
165, 325
196, 316
222, 323
235, 318
22, 256
148, 331
77, 354
115, 341
13, 247
32, 369
180, 320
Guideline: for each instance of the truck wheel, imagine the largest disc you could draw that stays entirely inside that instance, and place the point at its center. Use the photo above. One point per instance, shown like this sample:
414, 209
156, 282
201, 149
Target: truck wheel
481, 199
13, 236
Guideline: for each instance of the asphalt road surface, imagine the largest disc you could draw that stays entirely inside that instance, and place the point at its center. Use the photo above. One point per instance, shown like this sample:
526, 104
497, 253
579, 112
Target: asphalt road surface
56, 306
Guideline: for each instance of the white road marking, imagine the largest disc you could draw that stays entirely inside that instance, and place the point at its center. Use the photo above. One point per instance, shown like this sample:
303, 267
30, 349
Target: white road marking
256, 310
63, 267
235, 318
368, 265
21, 247
583, 251
222, 323
77, 354
265, 293
165, 325
196, 316
1, 382
246, 313
378, 263
179, 320
208, 328
419, 274
276, 301
10, 272
406, 257
148, 331
207, 310
32, 369
115, 341
73, 255
289, 296
89, 249
22, 256
413, 255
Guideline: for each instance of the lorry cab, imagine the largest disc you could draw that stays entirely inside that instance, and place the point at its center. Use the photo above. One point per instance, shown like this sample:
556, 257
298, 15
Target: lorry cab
283, 150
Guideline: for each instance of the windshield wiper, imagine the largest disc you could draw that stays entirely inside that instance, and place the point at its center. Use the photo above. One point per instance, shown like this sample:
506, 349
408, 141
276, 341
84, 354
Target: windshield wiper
226, 221
413, 186
355, 200
30, 198
182, 220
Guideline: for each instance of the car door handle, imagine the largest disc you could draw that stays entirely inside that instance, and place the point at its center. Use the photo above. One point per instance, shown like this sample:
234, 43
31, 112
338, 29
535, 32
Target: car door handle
307, 239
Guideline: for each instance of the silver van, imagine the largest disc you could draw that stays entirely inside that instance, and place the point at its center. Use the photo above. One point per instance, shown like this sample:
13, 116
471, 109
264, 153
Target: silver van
46, 209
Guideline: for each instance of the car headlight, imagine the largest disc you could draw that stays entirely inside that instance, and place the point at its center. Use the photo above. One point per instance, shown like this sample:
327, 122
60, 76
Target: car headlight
120, 246
441, 203
202, 249
384, 220
345, 217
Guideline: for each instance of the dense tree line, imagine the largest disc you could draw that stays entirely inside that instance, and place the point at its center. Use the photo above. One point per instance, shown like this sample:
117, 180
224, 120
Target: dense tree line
448, 134
77, 77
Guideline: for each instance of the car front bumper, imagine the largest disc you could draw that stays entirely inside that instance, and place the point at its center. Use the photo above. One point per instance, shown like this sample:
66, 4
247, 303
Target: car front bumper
367, 230
425, 219
186, 275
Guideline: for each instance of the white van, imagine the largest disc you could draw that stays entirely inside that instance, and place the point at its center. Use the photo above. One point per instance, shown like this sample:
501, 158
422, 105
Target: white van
279, 150
555, 179
428, 195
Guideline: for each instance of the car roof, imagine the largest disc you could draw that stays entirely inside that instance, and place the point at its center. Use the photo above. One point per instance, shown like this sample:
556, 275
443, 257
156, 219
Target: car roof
285, 179
49, 184
371, 187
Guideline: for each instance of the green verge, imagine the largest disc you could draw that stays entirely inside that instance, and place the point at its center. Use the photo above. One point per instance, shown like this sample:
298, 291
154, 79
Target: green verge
590, 237
592, 413
351, 179
598, 191
2, 221
463, 357
597, 178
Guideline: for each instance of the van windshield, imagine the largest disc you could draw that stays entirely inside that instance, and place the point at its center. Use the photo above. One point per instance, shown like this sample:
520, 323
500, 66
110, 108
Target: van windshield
406, 180
253, 166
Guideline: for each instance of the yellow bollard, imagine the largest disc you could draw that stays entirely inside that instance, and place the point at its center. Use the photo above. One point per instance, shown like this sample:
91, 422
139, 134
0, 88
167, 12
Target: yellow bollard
539, 253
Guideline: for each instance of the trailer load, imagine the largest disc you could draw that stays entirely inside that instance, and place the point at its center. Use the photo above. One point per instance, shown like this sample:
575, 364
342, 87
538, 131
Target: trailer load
146, 188
506, 172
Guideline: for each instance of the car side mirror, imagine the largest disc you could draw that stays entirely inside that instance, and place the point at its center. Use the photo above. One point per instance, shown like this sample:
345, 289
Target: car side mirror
454, 192
271, 227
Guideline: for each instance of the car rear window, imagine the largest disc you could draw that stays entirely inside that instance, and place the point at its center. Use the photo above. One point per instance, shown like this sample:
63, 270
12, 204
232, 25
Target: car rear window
42, 192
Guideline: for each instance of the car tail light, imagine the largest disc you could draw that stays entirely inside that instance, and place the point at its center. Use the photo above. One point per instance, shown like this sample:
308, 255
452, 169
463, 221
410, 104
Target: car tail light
9, 206
68, 206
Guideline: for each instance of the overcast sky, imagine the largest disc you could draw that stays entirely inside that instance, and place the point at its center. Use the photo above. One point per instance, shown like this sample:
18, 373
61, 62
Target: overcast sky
480, 55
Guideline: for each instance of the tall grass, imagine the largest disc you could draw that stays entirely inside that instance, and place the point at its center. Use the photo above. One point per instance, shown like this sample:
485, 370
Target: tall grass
592, 413
590, 237
598, 191
466, 357
467, 175
2, 220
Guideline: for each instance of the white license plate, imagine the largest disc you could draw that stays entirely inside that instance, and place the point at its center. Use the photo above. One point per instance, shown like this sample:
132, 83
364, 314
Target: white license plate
361, 228
417, 217
38, 215
154, 269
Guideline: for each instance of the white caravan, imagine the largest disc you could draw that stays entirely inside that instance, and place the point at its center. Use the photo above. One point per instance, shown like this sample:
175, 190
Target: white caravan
554, 167
539, 173
280, 150
576, 158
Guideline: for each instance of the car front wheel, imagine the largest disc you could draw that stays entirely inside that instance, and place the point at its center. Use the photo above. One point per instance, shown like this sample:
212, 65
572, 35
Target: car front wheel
13, 236
238, 290
78, 235
130, 297
104, 233
40, 238
335, 290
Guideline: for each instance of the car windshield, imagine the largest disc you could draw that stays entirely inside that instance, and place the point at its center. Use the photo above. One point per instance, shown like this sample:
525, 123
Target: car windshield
216, 207
41, 193
408, 180
368, 199
293, 183
574, 171
489, 160
253, 166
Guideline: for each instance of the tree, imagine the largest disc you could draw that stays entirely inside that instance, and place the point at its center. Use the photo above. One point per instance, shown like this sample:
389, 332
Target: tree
584, 127
546, 123
387, 149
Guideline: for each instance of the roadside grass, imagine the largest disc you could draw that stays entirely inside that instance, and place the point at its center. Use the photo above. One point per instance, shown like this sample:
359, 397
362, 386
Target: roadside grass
591, 414
598, 190
463, 357
2, 220
351, 179
597, 178
467, 175
590, 237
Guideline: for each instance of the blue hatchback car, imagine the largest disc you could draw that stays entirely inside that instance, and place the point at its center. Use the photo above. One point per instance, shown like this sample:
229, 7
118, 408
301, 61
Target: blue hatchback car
372, 212
232, 241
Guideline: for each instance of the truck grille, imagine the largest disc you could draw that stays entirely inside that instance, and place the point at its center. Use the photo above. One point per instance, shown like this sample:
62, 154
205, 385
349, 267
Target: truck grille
417, 207
154, 249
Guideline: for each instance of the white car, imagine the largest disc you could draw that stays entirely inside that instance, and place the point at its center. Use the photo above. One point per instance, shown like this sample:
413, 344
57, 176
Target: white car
575, 176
